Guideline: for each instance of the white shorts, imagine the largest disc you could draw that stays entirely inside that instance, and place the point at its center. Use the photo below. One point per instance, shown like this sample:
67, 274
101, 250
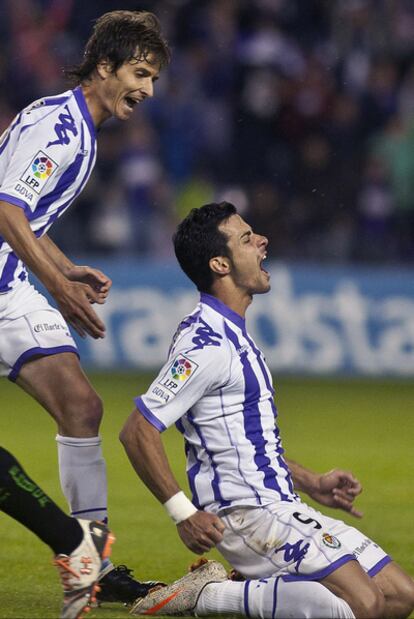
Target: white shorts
295, 541
29, 327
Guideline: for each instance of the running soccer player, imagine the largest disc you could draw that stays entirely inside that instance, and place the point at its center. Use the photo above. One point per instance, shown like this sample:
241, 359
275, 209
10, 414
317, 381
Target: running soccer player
79, 545
218, 390
46, 157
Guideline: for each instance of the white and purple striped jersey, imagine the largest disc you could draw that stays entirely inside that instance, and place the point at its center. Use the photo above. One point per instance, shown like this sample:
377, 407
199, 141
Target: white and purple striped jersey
46, 157
218, 390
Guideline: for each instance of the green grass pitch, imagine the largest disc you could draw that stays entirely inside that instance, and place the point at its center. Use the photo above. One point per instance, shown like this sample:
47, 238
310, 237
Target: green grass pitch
366, 426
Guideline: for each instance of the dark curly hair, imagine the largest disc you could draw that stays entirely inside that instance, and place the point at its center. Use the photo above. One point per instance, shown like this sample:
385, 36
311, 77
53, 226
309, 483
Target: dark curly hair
120, 36
198, 239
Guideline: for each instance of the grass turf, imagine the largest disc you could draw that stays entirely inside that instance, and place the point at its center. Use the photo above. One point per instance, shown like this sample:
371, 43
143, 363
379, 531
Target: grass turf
366, 426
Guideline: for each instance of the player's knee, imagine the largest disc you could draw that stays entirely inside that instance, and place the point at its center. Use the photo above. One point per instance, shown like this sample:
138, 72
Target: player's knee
82, 413
405, 596
370, 605
92, 411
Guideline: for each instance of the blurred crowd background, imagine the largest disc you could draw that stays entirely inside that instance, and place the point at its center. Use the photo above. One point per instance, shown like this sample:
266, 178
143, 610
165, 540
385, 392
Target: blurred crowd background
301, 112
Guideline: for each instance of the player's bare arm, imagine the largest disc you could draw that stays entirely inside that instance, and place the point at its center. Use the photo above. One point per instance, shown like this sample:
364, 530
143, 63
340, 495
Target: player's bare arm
73, 298
337, 488
201, 531
97, 280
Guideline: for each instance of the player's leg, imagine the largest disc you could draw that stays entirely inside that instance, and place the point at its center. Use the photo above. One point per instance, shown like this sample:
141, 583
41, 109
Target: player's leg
272, 598
206, 591
351, 583
398, 589
38, 352
79, 545
22, 499
58, 383
295, 541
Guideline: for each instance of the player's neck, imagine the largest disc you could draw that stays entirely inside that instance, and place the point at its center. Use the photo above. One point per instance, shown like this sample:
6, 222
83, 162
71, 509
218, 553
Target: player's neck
236, 299
96, 109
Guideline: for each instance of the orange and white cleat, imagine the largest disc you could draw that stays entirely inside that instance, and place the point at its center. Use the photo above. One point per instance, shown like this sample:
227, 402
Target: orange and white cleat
180, 598
79, 571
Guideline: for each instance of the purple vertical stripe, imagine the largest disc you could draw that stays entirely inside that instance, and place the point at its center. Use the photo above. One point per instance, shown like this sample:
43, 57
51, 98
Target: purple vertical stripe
194, 470
252, 421
192, 473
246, 598
8, 272
266, 376
80, 99
275, 597
236, 448
260, 361
66, 180
215, 483
64, 206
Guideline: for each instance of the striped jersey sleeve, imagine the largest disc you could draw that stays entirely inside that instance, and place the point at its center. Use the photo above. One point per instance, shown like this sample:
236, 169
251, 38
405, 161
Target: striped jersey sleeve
193, 370
43, 143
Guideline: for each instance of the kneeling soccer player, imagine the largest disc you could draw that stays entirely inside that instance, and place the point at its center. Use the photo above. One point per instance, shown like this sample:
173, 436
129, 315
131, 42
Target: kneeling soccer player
218, 390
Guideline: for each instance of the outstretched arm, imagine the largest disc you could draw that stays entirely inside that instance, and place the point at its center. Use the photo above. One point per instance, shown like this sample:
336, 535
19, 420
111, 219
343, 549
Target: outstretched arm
336, 488
73, 298
142, 442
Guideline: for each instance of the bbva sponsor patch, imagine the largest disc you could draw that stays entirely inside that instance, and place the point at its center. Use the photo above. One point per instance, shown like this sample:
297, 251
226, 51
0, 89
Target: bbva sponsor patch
38, 172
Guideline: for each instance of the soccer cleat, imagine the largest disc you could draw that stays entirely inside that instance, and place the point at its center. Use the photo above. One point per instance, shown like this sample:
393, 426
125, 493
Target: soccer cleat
117, 585
79, 571
181, 597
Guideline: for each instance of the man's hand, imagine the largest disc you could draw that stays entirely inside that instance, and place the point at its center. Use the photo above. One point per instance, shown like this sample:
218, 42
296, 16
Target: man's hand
74, 300
339, 489
97, 280
201, 532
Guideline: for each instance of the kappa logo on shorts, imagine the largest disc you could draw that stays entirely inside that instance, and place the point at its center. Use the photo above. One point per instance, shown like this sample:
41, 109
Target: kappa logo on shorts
330, 540
38, 172
294, 553
178, 374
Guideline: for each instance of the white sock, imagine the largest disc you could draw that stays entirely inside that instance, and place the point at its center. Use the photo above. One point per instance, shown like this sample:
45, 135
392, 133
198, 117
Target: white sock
83, 476
272, 598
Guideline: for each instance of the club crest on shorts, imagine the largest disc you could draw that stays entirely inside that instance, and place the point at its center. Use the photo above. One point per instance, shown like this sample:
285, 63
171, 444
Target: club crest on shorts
330, 540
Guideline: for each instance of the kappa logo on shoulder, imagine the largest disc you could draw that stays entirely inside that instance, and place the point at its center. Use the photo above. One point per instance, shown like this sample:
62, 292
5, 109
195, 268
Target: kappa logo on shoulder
65, 126
205, 336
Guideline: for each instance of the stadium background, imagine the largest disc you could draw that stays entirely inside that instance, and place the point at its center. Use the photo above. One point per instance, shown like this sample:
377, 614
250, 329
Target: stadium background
301, 112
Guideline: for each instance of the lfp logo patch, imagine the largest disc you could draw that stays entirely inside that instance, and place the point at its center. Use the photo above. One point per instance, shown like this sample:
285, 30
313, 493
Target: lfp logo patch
181, 369
175, 378
42, 167
38, 172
